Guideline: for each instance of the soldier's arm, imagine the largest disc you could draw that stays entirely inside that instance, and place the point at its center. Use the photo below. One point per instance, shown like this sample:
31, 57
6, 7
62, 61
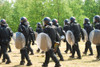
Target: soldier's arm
58, 37
20, 28
82, 34
62, 31
32, 35
11, 32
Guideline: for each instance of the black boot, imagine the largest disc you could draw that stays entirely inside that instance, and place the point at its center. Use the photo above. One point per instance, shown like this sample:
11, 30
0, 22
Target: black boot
32, 53
71, 56
90, 54
84, 53
22, 62
38, 50
66, 51
45, 65
3, 60
57, 65
9, 51
8, 61
61, 59
78, 57
29, 63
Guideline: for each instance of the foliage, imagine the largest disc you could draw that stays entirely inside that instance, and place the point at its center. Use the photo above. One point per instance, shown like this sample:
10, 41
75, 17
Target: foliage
36, 10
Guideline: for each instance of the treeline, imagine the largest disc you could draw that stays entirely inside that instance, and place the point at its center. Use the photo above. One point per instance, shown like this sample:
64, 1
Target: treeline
36, 10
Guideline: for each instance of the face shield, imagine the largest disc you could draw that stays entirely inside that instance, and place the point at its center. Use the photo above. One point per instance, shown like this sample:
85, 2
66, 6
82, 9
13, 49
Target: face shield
84, 22
66, 23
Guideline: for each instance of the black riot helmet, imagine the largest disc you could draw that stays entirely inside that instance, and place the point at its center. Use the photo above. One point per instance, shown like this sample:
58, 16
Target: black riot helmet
66, 22
54, 21
39, 24
86, 21
46, 21
96, 19
72, 19
3, 22
23, 20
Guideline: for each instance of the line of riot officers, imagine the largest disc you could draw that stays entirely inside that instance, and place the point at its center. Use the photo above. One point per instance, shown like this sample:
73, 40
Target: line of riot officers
56, 34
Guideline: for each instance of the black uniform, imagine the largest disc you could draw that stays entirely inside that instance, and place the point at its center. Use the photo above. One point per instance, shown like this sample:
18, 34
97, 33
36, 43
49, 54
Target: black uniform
97, 26
88, 27
9, 47
60, 33
5, 36
76, 29
25, 29
50, 53
68, 46
39, 29
30, 40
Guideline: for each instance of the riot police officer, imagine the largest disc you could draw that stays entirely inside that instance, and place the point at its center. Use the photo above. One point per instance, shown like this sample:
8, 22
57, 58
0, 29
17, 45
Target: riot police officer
39, 29
76, 30
66, 28
97, 26
53, 36
5, 36
60, 32
30, 40
25, 29
88, 27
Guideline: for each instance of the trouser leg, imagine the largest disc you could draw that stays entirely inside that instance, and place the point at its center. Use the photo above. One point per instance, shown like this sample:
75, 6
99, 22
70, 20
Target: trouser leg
77, 49
59, 54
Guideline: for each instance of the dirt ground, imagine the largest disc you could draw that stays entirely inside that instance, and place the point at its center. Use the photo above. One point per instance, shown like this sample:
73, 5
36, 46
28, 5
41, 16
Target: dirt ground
38, 58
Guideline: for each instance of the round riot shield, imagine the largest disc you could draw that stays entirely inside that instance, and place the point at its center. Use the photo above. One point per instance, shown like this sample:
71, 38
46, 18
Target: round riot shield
70, 37
44, 42
19, 40
85, 35
95, 36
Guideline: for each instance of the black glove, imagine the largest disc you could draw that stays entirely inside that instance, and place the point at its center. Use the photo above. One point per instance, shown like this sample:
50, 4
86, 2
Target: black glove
64, 40
82, 37
33, 43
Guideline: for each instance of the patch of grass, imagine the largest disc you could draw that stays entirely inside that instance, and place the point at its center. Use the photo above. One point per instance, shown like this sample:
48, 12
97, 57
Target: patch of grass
38, 58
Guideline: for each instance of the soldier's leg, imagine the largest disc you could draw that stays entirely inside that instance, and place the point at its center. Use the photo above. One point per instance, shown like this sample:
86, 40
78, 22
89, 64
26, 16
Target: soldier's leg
30, 50
22, 57
86, 48
0, 51
90, 48
3, 60
73, 51
47, 58
5, 46
54, 58
97, 47
99, 51
25, 53
66, 47
9, 48
78, 51
59, 54
69, 46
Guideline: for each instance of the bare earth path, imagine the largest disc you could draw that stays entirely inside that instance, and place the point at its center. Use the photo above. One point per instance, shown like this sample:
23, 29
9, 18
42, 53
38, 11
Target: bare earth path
37, 59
